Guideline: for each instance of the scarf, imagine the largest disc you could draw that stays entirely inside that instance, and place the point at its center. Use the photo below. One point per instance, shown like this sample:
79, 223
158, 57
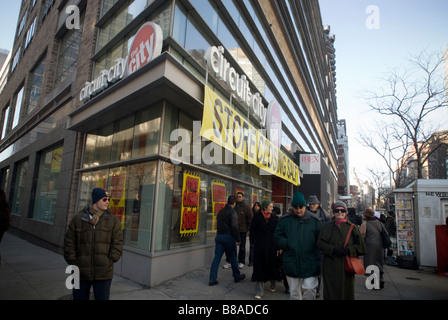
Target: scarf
96, 215
266, 215
340, 221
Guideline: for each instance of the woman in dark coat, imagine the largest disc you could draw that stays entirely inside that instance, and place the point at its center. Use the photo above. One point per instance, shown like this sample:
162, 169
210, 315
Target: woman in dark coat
265, 251
337, 284
371, 233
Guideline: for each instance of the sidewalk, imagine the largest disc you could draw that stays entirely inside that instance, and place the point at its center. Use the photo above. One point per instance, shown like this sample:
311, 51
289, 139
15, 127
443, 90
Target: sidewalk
30, 272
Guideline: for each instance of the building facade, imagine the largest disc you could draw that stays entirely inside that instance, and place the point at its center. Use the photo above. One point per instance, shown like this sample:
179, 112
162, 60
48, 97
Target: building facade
170, 105
343, 160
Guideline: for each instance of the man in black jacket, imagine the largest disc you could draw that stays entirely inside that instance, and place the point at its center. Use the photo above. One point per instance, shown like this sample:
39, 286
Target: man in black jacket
227, 237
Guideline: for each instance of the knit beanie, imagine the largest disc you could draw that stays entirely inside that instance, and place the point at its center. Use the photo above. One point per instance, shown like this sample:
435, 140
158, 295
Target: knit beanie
298, 199
98, 194
340, 204
265, 204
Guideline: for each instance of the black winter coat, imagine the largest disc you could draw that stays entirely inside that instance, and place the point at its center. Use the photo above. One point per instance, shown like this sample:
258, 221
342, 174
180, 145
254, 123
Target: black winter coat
265, 250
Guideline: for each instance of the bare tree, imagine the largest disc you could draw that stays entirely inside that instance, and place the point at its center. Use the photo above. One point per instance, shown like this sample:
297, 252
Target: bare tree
377, 179
408, 97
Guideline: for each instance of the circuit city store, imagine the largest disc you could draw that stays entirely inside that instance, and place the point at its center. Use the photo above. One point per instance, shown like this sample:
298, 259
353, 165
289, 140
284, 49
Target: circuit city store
149, 124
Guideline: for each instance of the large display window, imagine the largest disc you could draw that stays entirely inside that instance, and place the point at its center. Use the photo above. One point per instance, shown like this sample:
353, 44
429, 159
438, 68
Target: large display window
47, 184
188, 203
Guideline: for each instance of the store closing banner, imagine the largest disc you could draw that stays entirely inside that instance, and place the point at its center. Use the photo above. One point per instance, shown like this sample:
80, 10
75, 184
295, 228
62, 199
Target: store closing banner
226, 127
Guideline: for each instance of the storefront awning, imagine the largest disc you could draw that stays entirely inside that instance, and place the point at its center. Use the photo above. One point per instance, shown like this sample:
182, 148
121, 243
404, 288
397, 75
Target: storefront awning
163, 78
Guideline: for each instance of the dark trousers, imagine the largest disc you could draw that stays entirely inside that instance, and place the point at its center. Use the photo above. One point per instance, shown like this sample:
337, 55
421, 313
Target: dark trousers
242, 250
224, 243
101, 289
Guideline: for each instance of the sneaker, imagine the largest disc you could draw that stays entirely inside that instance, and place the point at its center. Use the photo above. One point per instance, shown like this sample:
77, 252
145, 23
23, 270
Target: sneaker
258, 297
227, 266
240, 278
240, 265
272, 288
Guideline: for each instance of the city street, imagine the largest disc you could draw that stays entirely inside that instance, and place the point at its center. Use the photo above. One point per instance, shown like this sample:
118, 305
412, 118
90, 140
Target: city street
30, 272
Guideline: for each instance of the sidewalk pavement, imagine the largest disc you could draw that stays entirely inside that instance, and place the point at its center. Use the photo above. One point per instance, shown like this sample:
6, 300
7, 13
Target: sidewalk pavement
30, 272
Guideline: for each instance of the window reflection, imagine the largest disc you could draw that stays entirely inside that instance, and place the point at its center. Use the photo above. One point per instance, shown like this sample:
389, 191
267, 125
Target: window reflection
132, 137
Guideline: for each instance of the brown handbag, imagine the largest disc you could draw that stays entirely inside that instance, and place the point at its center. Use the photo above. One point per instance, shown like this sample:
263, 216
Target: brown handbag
353, 265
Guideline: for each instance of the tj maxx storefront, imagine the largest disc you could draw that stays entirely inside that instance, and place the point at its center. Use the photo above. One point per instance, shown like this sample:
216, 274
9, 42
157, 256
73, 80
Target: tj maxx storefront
170, 146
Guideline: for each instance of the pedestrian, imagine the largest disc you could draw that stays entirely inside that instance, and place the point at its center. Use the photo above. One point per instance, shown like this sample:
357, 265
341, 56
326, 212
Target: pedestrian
256, 208
353, 217
280, 267
265, 251
94, 242
391, 228
5, 216
226, 240
337, 284
244, 213
296, 235
315, 208
371, 229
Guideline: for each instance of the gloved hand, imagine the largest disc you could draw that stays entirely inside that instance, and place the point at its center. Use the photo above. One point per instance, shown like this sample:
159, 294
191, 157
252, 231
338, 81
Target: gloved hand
339, 252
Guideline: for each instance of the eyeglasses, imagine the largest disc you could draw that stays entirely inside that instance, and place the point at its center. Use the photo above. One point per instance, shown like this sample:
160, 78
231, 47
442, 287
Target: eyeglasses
339, 210
298, 207
106, 199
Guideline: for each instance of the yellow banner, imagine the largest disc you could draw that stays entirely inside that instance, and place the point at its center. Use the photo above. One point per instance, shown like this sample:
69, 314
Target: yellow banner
229, 129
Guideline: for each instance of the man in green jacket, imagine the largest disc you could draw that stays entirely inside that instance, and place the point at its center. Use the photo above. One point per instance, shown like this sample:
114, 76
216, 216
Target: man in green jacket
94, 242
296, 234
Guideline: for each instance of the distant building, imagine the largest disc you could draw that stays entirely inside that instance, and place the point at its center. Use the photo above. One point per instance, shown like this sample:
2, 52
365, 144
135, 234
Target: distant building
343, 160
3, 56
435, 157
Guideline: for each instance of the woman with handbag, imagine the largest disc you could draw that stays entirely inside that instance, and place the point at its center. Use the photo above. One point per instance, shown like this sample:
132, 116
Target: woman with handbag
338, 239
371, 231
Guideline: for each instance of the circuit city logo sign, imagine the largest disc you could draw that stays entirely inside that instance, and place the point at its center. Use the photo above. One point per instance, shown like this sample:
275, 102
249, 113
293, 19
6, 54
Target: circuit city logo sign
146, 46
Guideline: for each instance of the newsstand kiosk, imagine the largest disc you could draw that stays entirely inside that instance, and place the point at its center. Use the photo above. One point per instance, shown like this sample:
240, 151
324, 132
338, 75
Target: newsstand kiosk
419, 208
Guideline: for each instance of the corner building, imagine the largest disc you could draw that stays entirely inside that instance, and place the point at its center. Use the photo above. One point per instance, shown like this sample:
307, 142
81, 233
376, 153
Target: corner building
172, 106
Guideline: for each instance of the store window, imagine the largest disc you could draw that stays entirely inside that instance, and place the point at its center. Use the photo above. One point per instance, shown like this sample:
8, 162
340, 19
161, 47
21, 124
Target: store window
47, 184
19, 180
188, 203
132, 137
132, 198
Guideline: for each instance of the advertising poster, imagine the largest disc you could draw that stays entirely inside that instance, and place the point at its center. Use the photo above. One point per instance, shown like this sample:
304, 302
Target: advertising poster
117, 202
218, 200
190, 205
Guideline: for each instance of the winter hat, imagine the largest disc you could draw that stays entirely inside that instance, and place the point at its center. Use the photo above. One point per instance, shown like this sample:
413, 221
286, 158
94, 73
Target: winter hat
313, 199
369, 213
98, 194
339, 204
298, 199
265, 204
